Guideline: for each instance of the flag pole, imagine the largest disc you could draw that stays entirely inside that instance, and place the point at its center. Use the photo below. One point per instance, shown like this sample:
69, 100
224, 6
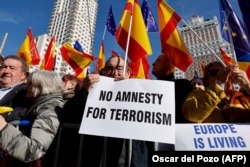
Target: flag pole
127, 45
124, 70
3, 43
203, 41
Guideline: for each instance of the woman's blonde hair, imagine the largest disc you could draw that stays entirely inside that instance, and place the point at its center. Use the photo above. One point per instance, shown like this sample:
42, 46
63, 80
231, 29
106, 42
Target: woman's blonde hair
45, 82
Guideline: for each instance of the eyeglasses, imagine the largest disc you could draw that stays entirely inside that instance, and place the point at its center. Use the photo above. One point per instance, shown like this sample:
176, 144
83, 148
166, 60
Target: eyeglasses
111, 69
213, 72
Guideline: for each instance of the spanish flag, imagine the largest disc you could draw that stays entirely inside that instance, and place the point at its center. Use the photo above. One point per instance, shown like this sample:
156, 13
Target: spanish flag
140, 68
48, 62
171, 41
76, 59
28, 50
228, 60
132, 29
101, 57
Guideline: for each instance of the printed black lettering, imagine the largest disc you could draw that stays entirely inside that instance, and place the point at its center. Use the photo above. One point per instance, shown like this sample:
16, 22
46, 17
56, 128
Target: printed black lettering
118, 96
104, 95
132, 115
125, 115
141, 116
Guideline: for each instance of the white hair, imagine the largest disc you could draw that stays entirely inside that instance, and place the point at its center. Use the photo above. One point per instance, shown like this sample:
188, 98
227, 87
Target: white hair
45, 82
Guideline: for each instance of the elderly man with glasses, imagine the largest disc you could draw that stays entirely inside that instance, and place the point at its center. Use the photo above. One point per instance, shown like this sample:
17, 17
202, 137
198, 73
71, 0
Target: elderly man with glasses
98, 150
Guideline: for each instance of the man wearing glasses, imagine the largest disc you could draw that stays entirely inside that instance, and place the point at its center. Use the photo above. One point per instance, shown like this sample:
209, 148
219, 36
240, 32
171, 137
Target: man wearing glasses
94, 152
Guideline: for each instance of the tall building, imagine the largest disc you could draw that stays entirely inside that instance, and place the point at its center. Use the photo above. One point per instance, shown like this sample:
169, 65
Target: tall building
204, 48
70, 20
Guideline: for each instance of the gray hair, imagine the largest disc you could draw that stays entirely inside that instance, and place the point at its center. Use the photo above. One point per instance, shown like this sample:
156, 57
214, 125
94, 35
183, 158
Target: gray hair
45, 82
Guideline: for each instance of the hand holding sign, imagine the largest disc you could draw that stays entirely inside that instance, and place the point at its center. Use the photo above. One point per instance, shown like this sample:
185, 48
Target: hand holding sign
133, 109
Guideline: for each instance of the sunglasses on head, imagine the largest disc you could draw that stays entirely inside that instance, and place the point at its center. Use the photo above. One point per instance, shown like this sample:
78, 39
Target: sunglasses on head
213, 72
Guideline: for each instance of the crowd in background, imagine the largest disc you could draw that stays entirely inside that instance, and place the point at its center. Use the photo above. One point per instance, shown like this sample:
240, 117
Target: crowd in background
36, 106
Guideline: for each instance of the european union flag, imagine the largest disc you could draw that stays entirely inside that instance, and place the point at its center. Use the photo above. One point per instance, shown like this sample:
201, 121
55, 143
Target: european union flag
78, 46
234, 31
110, 23
148, 17
245, 11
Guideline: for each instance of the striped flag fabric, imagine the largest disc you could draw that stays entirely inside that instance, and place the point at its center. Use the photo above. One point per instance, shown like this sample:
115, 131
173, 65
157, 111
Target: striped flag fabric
228, 60
28, 50
76, 59
135, 29
48, 62
172, 44
140, 68
101, 57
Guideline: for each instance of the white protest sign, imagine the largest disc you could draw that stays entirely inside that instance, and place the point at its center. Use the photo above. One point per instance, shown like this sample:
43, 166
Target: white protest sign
212, 137
132, 108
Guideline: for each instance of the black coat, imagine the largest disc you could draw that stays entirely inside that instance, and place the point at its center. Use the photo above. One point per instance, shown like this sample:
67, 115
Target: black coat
16, 99
92, 148
182, 88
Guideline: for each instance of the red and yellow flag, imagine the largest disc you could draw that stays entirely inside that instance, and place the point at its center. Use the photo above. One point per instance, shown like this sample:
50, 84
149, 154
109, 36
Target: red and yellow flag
228, 60
140, 68
139, 44
48, 62
101, 57
246, 67
76, 59
171, 41
28, 50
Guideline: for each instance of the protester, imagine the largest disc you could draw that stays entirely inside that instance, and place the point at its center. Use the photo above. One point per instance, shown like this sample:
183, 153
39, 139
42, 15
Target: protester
197, 82
219, 102
93, 152
26, 145
72, 85
13, 71
164, 70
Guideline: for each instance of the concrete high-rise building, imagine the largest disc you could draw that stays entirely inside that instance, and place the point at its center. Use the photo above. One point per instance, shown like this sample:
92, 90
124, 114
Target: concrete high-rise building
70, 20
204, 47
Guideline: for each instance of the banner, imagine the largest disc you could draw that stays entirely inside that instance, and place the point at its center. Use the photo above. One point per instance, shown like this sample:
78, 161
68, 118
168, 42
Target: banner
132, 108
212, 137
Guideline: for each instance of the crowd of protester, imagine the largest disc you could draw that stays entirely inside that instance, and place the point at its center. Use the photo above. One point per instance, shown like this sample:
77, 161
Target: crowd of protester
46, 108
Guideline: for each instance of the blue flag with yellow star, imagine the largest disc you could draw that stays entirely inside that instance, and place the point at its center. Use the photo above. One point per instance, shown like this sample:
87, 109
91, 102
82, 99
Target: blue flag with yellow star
148, 17
234, 32
110, 23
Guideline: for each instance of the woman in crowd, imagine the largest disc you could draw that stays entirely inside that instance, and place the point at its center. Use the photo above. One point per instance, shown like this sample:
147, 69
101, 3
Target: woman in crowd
27, 145
72, 85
